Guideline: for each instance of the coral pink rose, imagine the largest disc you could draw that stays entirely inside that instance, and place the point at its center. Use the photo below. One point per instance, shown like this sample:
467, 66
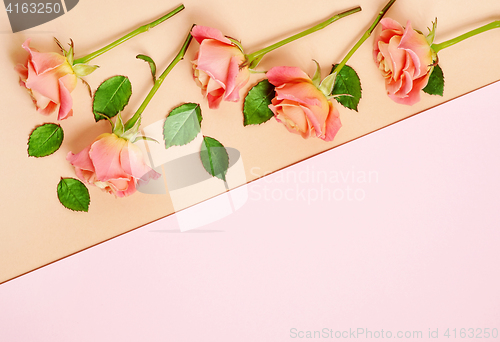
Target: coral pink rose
301, 106
113, 164
50, 79
404, 57
217, 67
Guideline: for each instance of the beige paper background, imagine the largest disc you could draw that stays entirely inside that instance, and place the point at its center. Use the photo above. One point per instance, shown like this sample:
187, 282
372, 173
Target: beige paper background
36, 230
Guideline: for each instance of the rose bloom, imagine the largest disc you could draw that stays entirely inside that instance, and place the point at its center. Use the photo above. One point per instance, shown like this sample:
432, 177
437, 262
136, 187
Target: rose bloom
404, 57
217, 68
50, 79
113, 164
301, 106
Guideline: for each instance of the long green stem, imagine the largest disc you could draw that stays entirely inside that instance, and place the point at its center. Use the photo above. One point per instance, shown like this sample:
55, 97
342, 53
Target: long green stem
159, 81
254, 58
487, 27
126, 37
363, 37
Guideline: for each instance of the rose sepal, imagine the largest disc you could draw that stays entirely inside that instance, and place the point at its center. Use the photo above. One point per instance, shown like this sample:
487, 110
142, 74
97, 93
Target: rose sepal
80, 69
326, 86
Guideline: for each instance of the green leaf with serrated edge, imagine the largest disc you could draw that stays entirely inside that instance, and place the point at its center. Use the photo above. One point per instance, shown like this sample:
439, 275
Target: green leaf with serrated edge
435, 85
73, 194
45, 140
111, 97
151, 63
256, 107
347, 82
214, 158
182, 125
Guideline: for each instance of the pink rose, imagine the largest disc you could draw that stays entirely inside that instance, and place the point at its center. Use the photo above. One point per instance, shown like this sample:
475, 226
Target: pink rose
217, 67
301, 106
50, 79
113, 164
404, 57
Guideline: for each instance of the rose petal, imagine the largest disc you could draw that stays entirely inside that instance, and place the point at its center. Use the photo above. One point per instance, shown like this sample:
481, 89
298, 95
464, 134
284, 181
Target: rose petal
395, 55
46, 84
22, 70
43, 62
128, 191
412, 96
278, 76
418, 48
120, 184
390, 28
81, 159
236, 79
66, 101
132, 161
315, 121
105, 155
200, 33
304, 93
49, 109
295, 114
44, 104
215, 59
391, 24
84, 168
214, 98
407, 84
333, 124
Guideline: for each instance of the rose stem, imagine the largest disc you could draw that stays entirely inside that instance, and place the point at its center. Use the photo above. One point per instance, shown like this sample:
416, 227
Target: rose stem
254, 58
126, 37
363, 37
487, 27
159, 81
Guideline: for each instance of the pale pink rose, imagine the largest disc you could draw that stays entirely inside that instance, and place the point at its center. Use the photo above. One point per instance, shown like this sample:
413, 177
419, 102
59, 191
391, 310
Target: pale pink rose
50, 79
217, 68
113, 164
301, 106
404, 57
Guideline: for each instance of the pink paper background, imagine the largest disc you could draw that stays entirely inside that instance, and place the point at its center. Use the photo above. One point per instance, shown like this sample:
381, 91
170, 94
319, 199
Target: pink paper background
420, 251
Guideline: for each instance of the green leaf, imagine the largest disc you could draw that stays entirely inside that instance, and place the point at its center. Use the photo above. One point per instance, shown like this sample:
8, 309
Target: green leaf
45, 140
214, 158
152, 64
182, 125
347, 88
111, 97
435, 85
256, 107
73, 194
